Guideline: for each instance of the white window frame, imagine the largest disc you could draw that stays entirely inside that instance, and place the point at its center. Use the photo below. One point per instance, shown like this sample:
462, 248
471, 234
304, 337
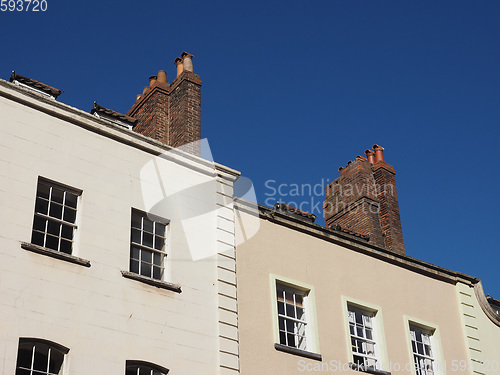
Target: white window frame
163, 253
309, 305
51, 219
378, 332
433, 332
52, 346
364, 321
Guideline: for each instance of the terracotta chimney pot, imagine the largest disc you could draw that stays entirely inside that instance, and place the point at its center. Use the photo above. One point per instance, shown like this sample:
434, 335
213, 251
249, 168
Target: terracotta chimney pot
180, 66
187, 59
145, 90
152, 80
162, 77
379, 152
370, 155
137, 97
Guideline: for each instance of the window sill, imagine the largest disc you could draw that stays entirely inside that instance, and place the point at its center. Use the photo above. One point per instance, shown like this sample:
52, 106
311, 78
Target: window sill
55, 254
150, 281
368, 370
302, 353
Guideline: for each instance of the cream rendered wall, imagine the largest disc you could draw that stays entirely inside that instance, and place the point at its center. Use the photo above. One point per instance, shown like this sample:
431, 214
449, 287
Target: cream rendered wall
102, 317
337, 274
481, 334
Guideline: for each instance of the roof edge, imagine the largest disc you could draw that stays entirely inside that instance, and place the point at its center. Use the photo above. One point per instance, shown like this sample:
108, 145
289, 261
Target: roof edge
359, 245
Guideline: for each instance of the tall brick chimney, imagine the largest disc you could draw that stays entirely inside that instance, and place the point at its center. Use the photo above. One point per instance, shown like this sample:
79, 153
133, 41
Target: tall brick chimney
364, 199
171, 113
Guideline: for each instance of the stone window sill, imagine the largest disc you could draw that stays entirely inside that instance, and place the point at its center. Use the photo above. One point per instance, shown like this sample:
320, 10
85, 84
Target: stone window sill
368, 370
299, 352
55, 254
150, 281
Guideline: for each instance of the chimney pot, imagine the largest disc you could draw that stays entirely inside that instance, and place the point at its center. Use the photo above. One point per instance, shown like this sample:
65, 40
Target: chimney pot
180, 66
187, 60
145, 90
152, 80
162, 77
370, 155
379, 152
137, 97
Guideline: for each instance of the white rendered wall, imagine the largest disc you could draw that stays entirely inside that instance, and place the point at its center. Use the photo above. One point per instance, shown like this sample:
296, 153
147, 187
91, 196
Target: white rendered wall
102, 317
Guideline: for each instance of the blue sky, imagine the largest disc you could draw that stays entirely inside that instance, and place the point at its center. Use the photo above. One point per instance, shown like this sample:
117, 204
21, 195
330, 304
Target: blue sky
294, 89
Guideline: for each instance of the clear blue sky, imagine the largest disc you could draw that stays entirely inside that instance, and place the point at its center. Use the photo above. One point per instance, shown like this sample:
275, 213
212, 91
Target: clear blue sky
294, 89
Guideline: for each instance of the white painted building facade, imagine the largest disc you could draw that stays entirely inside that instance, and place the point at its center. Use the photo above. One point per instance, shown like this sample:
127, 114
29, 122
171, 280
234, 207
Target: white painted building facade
95, 271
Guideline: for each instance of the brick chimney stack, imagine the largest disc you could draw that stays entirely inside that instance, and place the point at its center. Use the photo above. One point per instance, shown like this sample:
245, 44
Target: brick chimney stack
364, 200
171, 113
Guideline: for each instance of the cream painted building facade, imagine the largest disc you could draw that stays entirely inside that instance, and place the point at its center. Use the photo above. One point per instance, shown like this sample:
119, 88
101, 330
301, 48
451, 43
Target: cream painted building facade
117, 253
313, 300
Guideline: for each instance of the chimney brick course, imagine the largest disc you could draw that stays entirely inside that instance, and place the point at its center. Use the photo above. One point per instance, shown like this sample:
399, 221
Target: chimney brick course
171, 113
364, 199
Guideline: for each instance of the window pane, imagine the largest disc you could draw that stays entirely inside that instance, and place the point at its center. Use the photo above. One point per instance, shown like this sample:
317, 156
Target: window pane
55, 210
134, 266
291, 340
145, 269
53, 228
134, 253
290, 311
159, 243
52, 242
24, 355
67, 232
57, 195
136, 220
39, 224
288, 296
41, 357
43, 191
146, 256
69, 215
41, 206
282, 338
66, 246
157, 259
37, 238
136, 236
300, 313
71, 200
147, 239
281, 324
160, 229
157, 273
148, 225
22, 372
56, 361
281, 308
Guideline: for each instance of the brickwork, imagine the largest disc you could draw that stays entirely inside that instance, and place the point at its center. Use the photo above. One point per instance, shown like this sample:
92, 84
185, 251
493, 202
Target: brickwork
390, 220
171, 113
364, 200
